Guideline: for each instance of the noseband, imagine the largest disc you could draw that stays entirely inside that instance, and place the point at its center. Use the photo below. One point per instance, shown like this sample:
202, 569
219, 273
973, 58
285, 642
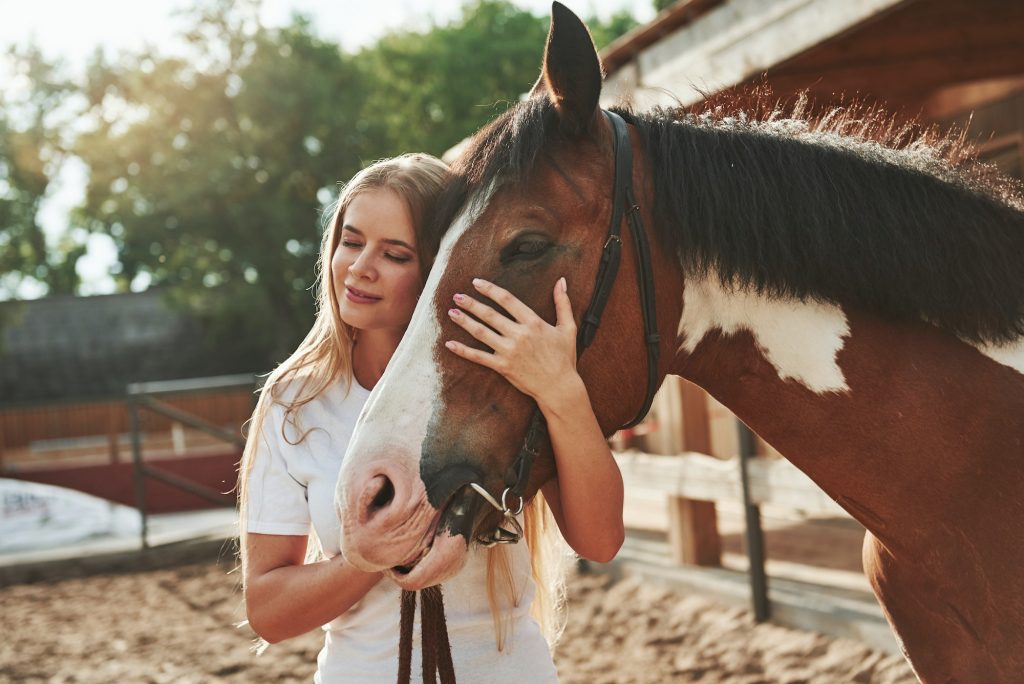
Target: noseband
509, 531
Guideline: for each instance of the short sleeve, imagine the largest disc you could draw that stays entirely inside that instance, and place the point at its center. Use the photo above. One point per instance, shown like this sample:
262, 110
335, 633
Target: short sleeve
277, 502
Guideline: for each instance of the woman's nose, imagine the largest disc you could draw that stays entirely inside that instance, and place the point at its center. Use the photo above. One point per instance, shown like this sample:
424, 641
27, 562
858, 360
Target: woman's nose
363, 267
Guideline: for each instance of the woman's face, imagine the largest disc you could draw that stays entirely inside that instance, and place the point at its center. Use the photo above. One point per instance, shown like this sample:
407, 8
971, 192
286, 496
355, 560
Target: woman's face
375, 267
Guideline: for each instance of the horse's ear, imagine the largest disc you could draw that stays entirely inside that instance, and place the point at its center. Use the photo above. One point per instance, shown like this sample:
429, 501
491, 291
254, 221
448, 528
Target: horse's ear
571, 76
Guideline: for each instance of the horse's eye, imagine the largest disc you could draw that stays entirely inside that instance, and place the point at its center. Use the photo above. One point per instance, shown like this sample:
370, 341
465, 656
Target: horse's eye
525, 248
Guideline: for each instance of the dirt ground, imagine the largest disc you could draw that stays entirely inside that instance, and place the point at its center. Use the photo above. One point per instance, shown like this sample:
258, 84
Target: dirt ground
176, 625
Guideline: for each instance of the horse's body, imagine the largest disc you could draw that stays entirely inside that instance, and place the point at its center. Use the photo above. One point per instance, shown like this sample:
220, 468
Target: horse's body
925, 447
860, 308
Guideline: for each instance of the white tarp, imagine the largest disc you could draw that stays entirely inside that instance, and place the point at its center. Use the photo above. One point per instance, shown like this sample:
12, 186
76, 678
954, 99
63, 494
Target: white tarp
36, 516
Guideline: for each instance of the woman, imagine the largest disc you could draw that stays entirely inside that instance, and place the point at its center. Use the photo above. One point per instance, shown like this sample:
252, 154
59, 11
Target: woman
373, 263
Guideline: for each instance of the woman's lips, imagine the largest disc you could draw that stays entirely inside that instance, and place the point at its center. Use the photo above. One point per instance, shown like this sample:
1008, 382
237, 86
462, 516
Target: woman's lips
360, 297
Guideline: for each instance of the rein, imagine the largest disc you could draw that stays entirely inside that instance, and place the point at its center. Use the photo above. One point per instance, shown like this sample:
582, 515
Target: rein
436, 651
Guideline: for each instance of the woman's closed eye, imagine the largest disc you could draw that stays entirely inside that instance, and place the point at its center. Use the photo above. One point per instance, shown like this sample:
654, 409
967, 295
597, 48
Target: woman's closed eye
392, 256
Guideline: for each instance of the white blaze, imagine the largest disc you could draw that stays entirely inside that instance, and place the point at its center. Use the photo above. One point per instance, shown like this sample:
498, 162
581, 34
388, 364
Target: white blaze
800, 339
1009, 354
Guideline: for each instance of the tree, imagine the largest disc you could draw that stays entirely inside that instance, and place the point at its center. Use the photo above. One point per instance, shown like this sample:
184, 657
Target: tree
431, 89
208, 168
659, 5
208, 171
604, 33
31, 155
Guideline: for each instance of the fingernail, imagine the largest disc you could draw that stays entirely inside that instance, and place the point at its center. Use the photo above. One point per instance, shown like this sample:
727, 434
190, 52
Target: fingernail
450, 344
565, 288
477, 282
454, 313
459, 298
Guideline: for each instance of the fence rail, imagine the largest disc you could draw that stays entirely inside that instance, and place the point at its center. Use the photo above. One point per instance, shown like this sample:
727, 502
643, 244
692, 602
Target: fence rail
142, 396
700, 477
693, 482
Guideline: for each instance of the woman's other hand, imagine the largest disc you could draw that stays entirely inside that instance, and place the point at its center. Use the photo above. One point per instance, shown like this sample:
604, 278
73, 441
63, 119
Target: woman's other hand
538, 358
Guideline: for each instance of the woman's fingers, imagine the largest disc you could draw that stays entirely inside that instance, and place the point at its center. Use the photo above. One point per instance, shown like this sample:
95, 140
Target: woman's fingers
505, 299
485, 313
478, 330
470, 354
563, 307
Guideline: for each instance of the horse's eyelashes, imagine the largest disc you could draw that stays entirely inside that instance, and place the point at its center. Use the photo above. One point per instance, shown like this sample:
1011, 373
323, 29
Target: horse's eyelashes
525, 249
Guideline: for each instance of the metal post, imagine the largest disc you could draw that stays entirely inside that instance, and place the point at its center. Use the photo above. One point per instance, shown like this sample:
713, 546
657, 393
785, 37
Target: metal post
138, 475
754, 534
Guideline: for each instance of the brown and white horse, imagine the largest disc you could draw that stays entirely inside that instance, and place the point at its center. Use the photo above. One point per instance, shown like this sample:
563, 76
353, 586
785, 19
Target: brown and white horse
860, 306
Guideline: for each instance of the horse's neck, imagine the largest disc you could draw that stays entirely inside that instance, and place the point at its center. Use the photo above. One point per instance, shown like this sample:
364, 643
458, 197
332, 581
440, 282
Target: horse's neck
868, 409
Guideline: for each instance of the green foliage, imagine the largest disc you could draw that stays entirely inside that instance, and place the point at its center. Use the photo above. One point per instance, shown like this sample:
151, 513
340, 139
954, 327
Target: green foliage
432, 89
208, 169
208, 172
617, 25
31, 154
659, 5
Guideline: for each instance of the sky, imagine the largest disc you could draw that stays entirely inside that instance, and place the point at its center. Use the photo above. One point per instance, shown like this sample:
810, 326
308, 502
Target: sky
72, 30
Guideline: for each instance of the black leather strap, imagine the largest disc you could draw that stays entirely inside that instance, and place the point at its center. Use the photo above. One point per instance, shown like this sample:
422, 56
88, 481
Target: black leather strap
623, 201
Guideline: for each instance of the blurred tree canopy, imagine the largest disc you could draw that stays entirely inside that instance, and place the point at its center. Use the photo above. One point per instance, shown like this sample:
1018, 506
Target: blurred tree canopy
210, 169
31, 154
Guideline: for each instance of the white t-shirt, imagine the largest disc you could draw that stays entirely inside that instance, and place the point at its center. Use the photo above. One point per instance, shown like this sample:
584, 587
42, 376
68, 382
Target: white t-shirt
291, 486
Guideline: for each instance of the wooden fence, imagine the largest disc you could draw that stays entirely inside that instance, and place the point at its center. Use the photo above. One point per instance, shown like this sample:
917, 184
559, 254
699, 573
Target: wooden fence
77, 434
689, 452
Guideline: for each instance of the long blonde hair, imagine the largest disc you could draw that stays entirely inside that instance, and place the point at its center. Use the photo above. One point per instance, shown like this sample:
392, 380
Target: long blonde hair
326, 355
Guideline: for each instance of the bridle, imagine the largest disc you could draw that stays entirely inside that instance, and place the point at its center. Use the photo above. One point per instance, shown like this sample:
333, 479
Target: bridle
436, 655
509, 530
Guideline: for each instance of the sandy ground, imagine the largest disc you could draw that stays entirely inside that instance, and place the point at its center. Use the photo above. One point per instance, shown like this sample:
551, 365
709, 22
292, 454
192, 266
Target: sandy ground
175, 625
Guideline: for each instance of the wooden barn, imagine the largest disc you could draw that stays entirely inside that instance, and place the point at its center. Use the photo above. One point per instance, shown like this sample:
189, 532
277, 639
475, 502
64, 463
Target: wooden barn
943, 61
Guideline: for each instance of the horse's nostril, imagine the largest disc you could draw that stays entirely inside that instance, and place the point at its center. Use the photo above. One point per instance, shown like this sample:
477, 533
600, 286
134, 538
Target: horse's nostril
384, 495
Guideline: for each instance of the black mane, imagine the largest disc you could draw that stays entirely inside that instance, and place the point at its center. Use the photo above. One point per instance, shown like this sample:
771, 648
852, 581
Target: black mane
822, 209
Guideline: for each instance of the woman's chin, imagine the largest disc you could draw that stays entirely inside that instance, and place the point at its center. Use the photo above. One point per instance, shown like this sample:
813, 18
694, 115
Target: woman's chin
443, 561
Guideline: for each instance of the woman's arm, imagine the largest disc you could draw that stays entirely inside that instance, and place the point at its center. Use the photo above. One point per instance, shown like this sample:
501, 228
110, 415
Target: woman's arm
284, 598
540, 360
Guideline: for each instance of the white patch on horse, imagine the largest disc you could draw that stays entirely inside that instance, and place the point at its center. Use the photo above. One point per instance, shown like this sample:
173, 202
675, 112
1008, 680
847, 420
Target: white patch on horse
800, 339
1009, 354
401, 418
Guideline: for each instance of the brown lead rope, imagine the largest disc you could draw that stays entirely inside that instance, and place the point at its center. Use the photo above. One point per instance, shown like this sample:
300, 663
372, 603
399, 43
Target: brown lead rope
436, 651
405, 638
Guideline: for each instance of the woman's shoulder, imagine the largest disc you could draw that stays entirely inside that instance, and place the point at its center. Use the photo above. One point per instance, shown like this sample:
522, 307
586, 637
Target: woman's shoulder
310, 389
312, 401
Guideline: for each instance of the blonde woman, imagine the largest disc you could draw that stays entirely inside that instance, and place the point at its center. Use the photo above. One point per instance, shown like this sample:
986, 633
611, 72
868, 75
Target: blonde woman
373, 264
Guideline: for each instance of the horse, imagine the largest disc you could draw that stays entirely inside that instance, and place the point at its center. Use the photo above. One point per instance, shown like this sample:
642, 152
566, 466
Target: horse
855, 296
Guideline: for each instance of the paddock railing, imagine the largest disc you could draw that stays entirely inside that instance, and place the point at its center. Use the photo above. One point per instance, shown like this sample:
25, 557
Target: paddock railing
707, 456
144, 396
693, 482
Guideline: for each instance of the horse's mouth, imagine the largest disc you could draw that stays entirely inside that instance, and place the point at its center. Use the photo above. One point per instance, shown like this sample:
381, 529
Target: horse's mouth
440, 546
410, 565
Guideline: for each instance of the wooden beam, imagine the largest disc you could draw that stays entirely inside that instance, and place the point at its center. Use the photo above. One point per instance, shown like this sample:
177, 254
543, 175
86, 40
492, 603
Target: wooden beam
693, 532
702, 477
732, 42
893, 78
693, 521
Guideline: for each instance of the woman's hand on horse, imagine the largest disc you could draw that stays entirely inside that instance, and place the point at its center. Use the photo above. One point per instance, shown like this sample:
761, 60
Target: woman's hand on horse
535, 356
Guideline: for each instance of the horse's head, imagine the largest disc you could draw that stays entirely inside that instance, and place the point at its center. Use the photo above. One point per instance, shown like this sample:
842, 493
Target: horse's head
531, 202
